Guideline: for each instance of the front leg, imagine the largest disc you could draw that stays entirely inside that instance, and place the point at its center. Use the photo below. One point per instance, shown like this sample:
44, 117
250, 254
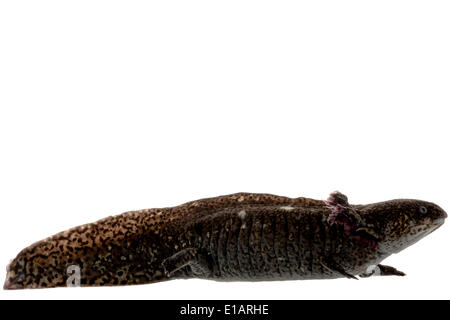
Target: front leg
381, 270
331, 265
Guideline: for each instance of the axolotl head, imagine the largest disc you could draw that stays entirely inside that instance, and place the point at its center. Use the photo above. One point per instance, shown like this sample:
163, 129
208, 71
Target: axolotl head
397, 224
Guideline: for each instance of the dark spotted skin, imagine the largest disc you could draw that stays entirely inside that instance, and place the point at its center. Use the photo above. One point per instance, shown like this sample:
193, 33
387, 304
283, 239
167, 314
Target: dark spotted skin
269, 243
243, 236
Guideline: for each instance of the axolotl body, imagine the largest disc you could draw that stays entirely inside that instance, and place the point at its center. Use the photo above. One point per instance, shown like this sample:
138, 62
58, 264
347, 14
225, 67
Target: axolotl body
237, 237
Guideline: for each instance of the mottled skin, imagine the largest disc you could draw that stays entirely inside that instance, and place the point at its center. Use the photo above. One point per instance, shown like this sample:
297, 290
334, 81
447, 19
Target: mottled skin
243, 236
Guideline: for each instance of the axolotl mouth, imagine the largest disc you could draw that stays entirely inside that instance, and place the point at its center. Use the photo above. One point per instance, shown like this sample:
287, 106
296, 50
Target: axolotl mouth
418, 232
422, 230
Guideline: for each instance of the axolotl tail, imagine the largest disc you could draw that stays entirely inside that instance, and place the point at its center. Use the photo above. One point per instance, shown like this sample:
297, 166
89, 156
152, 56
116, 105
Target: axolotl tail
113, 251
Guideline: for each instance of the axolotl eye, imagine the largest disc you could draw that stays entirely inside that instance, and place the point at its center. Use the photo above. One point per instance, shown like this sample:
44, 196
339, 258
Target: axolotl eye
423, 210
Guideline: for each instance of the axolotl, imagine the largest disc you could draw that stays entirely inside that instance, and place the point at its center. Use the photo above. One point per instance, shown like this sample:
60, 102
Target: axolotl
237, 237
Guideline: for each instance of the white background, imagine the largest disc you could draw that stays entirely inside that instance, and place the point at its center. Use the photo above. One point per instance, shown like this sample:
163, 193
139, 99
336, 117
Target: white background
109, 106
